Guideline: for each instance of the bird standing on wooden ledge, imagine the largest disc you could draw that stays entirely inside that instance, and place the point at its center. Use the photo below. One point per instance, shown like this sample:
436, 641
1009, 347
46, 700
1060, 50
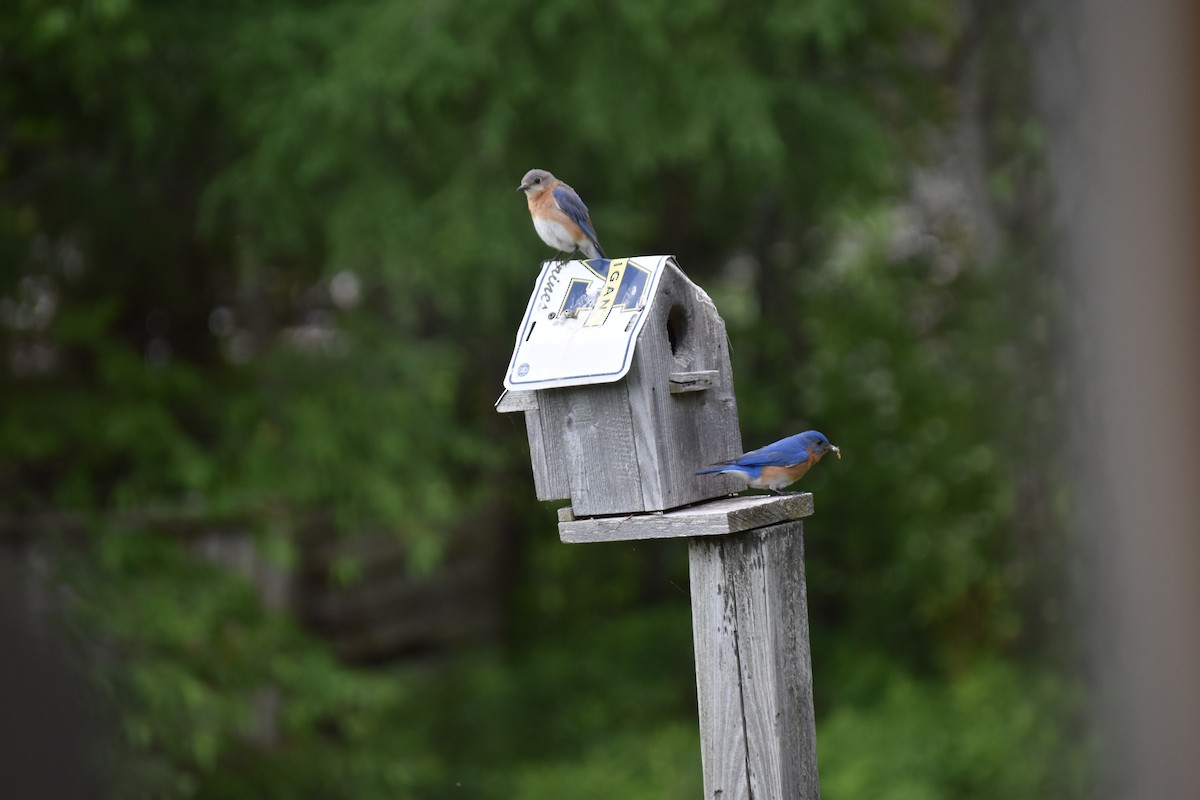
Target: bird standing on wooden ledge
559, 215
778, 464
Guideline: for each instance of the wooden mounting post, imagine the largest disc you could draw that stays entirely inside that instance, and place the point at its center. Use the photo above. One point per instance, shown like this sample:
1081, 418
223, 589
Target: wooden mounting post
750, 632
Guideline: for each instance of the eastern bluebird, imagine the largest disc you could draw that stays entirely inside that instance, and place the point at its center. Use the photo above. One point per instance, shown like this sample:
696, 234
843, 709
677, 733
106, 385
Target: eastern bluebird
559, 216
778, 464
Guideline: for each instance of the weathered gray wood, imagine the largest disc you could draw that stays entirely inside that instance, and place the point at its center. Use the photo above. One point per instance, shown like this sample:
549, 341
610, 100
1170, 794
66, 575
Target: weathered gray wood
714, 637
767, 570
681, 382
593, 428
512, 401
714, 518
648, 432
676, 434
549, 467
550, 481
753, 665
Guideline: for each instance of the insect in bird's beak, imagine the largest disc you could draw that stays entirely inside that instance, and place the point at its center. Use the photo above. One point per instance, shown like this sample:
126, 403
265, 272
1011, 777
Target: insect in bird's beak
836, 450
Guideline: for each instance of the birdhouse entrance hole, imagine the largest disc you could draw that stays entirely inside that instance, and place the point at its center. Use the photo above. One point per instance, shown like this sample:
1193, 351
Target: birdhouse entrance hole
677, 332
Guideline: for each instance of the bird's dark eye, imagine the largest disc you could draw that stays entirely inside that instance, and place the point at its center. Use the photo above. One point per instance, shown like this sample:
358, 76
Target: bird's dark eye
537, 180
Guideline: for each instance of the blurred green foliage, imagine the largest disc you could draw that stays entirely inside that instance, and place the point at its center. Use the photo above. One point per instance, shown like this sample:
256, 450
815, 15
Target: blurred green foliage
984, 735
194, 664
260, 263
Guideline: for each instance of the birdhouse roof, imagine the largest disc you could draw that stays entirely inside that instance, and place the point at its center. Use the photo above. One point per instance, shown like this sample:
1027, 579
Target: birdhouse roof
583, 321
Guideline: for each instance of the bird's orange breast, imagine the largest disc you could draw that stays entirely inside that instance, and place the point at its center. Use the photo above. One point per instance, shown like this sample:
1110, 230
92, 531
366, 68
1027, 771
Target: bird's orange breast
790, 473
542, 202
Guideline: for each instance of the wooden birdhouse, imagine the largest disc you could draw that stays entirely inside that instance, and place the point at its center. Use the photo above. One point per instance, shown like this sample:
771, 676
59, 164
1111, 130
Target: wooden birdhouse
622, 369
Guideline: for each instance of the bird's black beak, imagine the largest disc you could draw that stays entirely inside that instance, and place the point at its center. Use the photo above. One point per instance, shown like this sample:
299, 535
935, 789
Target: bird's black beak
522, 188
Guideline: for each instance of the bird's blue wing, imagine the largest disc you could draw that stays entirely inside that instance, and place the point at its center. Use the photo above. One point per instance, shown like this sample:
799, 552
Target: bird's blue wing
572, 205
783, 453
771, 458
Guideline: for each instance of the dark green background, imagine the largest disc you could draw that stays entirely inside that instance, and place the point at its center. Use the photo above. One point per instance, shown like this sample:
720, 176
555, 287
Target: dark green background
184, 187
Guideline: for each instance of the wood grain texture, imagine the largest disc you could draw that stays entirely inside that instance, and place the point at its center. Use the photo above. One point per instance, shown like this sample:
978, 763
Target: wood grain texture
681, 382
677, 434
713, 518
714, 637
649, 432
550, 481
591, 427
549, 473
512, 401
753, 665
766, 568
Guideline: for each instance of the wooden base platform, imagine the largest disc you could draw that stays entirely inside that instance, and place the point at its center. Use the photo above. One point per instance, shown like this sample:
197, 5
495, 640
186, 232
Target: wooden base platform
712, 518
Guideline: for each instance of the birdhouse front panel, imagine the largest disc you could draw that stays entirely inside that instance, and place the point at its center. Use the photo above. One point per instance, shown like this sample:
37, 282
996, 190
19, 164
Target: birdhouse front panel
681, 395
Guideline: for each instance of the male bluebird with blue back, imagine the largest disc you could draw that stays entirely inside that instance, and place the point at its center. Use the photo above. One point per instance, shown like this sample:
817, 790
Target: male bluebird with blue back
559, 215
778, 464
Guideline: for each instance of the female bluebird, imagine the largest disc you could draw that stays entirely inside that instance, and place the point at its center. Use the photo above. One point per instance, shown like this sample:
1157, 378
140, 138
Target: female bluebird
779, 464
559, 216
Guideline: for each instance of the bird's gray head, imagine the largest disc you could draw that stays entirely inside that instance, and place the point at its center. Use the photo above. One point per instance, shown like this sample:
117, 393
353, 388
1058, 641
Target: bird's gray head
535, 181
816, 442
